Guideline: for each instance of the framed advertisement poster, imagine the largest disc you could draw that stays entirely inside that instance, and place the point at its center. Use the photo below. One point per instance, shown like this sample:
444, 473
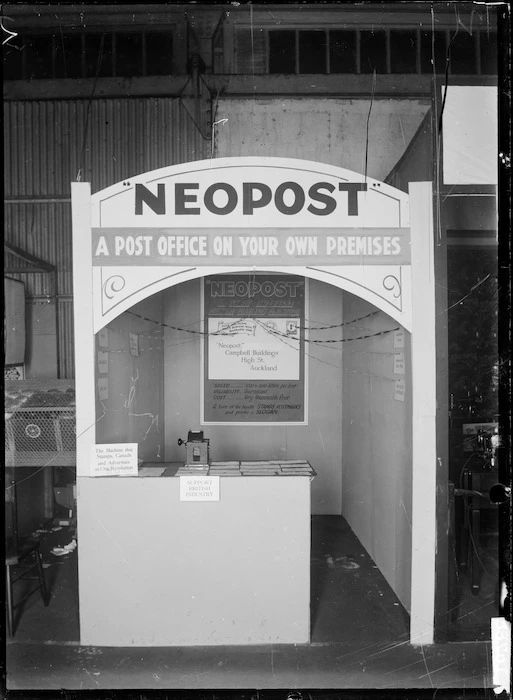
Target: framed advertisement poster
254, 368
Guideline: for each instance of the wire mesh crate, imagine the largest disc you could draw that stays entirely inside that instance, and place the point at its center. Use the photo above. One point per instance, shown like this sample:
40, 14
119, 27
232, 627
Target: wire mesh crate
39, 423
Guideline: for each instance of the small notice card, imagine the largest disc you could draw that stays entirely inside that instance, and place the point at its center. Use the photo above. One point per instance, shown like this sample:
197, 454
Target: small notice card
134, 344
399, 363
199, 488
116, 459
103, 362
103, 388
103, 338
399, 389
399, 338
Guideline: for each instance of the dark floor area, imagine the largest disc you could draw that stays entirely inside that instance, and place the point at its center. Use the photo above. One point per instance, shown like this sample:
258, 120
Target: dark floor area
359, 638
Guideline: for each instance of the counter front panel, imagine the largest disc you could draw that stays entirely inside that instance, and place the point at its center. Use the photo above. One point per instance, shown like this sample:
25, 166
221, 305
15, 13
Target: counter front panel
158, 571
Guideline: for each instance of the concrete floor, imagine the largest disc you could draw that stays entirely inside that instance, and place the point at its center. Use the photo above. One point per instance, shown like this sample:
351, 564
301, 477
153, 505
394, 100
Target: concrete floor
359, 639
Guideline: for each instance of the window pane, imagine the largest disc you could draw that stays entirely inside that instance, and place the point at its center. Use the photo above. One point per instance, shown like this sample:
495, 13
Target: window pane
282, 51
342, 52
426, 51
68, 56
159, 53
38, 56
403, 52
312, 52
98, 55
373, 52
129, 54
463, 54
488, 46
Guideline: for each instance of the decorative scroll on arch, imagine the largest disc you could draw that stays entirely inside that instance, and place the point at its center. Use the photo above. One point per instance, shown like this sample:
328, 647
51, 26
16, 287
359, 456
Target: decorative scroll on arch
284, 215
118, 290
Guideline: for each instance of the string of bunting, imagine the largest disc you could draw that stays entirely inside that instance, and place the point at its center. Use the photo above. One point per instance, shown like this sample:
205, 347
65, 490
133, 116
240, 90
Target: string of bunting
277, 333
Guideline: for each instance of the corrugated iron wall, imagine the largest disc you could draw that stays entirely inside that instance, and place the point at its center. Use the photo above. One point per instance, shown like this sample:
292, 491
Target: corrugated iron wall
50, 143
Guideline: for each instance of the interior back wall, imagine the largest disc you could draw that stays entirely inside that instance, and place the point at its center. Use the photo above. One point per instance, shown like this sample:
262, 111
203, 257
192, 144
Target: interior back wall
320, 442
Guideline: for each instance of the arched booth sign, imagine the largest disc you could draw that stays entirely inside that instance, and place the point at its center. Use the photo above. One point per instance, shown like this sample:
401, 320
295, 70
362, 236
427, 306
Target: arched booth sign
234, 216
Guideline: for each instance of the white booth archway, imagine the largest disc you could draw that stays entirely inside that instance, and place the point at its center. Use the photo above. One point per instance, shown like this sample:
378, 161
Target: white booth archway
162, 228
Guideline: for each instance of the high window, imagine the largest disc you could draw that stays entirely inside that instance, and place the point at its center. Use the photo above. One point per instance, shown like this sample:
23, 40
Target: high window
365, 50
79, 54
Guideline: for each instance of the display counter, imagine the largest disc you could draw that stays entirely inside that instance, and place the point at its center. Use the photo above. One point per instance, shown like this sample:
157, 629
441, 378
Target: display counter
155, 570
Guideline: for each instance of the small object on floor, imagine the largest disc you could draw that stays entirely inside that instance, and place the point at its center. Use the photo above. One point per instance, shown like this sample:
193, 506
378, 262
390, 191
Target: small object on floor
46, 565
64, 523
57, 528
66, 549
348, 563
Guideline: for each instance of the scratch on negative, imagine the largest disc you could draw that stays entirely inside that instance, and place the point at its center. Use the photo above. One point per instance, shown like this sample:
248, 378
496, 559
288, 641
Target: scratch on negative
426, 666
402, 130
438, 669
93, 679
406, 513
414, 663
112, 538
390, 647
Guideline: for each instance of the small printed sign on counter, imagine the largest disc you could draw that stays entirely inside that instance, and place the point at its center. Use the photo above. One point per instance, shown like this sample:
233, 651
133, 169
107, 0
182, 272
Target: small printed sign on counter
399, 363
399, 389
117, 459
199, 488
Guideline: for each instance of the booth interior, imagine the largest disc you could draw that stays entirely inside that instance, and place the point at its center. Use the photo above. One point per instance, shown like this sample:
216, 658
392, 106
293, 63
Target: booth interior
356, 436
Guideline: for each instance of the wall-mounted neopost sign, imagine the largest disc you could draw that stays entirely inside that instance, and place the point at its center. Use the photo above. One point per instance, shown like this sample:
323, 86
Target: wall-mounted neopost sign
254, 359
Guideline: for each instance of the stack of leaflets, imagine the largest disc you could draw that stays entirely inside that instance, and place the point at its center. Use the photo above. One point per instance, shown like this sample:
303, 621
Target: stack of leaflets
296, 468
224, 469
259, 468
192, 470
225, 465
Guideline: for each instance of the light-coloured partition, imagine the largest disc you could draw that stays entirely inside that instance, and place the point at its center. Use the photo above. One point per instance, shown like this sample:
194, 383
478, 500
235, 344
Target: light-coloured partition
377, 457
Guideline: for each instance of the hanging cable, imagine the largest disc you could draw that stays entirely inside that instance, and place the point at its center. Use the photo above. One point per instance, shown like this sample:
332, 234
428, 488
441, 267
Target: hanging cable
88, 110
368, 123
